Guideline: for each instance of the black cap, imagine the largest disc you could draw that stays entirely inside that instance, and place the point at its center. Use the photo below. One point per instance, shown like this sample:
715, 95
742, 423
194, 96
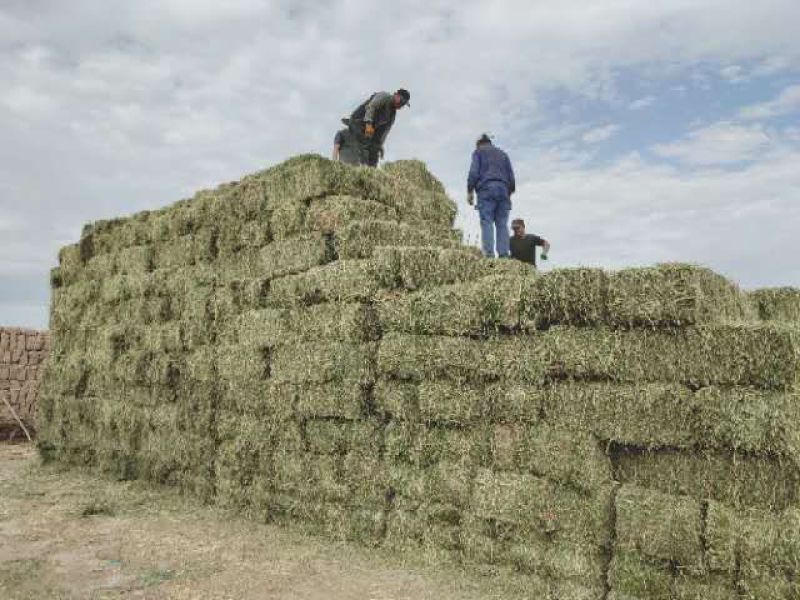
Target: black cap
405, 95
484, 139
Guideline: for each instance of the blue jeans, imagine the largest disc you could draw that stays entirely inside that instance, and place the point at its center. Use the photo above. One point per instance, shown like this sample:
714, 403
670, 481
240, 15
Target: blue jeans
494, 206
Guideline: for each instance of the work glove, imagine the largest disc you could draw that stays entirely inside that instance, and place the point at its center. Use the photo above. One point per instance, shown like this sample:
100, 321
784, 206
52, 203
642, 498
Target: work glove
471, 198
369, 130
544, 255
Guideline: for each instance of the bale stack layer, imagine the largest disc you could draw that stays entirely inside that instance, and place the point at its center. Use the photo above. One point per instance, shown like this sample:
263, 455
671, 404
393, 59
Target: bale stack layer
22, 358
312, 345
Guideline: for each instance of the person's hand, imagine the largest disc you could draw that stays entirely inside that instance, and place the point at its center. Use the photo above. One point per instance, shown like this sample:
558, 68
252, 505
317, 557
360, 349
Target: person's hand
369, 130
544, 255
380, 153
471, 198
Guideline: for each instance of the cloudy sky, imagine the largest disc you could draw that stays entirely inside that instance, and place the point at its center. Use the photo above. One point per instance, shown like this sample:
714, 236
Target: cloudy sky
640, 131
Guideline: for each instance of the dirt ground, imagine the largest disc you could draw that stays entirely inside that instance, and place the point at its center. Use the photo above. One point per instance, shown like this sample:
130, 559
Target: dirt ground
69, 534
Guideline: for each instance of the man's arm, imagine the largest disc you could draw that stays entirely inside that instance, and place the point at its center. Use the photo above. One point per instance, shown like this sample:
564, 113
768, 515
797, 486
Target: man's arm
474, 172
512, 183
336, 149
378, 102
545, 247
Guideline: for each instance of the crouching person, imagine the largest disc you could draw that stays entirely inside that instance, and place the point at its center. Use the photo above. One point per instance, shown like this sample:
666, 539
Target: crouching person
523, 245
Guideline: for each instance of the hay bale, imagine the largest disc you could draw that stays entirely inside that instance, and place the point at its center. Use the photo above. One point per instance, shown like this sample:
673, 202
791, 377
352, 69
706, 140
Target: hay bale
330, 436
566, 296
287, 217
359, 239
569, 458
397, 400
777, 304
416, 358
413, 268
475, 308
413, 172
632, 577
293, 255
644, 415
709, 587
735, 479
672, 294
768, 587
424, 446
659, 526
341, 281
714, 354
514, 402
323, 362
431, 532
543, 508
342, 400
332, 213
445, 482
449, 403
752, 542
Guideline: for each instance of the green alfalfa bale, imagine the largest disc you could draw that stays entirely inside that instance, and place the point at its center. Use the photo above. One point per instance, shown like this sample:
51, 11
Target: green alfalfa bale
346, 523
568, 457
543, 508
509, 402
293, 255
340, 281
474, 308
70, 263
451, 403
644, 415
752, 542
709, 587
175, 253
445, 482
359, 239
119, 428
776, 304
493, 543
397, 400
422, 445
417, 267
430, 531
243, 368
768, 587
310, 176
367, 479
697, 356
750, 420
136, 260
415, 358
735, 479
413, 172
232, 235
329, 436
633, 577
287, 217
263, 327
334, 321
671, 295
659, 526
337, 400
332, 213
244, 451
100, 267
323, 362
567, 296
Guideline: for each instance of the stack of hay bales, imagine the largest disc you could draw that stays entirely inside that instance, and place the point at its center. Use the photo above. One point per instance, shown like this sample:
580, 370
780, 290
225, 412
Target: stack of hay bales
313, 345
22, 356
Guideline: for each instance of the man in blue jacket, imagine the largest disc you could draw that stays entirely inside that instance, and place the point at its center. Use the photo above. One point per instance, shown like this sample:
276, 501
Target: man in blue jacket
492, 177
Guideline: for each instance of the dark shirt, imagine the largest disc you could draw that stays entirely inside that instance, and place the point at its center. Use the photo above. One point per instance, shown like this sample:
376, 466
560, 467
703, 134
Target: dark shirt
524, 248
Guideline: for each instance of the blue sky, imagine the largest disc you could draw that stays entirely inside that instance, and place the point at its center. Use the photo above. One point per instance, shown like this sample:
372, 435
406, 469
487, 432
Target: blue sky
640, 132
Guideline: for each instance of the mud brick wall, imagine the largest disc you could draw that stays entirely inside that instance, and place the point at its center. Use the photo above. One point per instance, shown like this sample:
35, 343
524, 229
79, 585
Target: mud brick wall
22, 354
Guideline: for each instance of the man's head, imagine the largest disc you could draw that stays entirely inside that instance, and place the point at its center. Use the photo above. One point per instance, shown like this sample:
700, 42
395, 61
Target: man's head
518, 227
402, 98
483, 140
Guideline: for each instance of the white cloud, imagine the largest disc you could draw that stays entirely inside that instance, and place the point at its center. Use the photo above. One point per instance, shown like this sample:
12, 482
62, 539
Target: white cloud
786, 102
718, 144
733, 74
600, 134
642, 103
